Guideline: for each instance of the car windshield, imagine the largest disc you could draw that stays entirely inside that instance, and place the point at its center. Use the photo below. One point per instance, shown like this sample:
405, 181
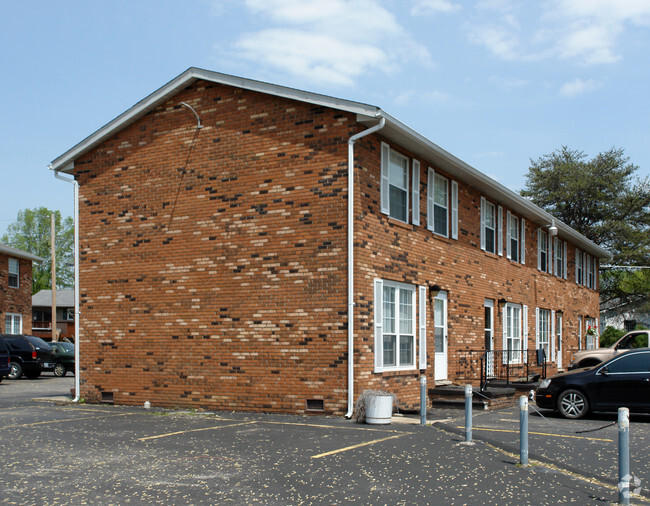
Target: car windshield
38, 343
65, 346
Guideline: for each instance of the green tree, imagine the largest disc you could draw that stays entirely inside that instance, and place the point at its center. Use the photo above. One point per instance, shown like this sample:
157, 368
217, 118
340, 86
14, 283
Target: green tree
31, 233
602, 199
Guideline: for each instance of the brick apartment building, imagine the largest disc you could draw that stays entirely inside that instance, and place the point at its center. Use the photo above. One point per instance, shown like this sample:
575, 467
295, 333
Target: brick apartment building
16, 289
216, 266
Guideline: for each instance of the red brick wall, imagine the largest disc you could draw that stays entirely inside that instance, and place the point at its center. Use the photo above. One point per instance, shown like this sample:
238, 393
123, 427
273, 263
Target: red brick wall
405, 253
213, 261
16, 300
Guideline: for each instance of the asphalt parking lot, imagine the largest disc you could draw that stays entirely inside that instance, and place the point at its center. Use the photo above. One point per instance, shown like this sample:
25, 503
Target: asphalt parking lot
100, 454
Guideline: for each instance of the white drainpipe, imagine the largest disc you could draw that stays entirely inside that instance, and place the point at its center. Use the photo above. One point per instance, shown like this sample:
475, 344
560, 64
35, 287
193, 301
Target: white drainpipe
76, 280
351, 142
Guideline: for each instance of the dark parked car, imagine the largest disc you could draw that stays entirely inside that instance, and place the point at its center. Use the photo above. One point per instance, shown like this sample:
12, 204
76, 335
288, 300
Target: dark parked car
62, 358
28, 354
4, 360
623, 381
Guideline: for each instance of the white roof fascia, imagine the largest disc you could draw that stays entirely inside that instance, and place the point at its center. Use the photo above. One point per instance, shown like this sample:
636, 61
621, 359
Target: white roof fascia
18, 253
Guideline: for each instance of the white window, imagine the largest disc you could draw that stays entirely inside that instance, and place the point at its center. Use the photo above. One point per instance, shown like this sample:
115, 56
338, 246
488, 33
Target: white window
394, 184
542, 250
559, 254
394, 325
488, 226
13, 323
438, 203
512, 333
591, 334
579, 268
500, 231
591, 272
512, 239
543, 338
14, 273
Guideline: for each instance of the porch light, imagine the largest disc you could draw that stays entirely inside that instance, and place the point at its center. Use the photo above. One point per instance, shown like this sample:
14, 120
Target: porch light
552, 229
502, 302
434, 290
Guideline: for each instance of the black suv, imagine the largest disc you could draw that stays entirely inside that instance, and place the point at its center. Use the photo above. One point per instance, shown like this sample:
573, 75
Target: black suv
27, 355
4, 360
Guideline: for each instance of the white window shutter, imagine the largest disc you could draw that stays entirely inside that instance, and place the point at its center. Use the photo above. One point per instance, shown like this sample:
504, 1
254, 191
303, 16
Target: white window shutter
552, 337
539, 249
416, 193
584, 269
422, 294
483, 206
454, 210
508, 247
524, 327
523, 241
500, 231
430, 187
385, 168
537, 328
379, 322
576, 262
564, 252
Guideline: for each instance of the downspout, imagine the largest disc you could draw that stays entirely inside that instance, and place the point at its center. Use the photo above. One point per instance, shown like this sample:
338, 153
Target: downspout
351, 142
75, 184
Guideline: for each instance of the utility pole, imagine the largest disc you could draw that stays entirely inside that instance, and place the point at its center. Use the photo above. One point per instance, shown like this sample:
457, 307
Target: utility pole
53, 253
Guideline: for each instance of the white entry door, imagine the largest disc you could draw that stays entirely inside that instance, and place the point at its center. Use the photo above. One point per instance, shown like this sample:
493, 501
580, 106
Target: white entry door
440, 334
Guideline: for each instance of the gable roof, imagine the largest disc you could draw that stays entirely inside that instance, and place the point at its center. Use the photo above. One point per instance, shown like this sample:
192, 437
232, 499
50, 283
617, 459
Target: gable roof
18, 253
367, 115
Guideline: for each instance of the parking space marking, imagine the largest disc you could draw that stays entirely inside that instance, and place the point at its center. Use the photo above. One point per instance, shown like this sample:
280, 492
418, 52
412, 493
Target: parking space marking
353, 447
64, 420
169, 434
327, 426
541, 434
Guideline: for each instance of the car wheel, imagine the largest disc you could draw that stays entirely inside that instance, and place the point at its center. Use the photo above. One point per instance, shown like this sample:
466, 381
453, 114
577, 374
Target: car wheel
573, 404
16, 371
59, 370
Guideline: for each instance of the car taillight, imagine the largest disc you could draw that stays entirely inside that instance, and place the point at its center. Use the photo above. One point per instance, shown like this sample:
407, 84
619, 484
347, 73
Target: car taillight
34, 355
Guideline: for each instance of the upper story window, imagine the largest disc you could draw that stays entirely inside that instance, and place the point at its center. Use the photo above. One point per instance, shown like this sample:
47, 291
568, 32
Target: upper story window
14, 273
591, 272
580, 278
543, 257
560, 257
442, 205
488, 226
394, 184
515, 238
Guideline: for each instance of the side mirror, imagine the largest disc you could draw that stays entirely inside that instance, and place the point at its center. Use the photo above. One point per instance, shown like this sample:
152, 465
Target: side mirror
604, 371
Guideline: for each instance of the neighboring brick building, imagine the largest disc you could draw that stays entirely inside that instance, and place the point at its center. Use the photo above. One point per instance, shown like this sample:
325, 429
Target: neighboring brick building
16, 289
214, 254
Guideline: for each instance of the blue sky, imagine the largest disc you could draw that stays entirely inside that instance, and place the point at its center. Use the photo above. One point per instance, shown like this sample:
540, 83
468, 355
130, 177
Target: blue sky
494, 82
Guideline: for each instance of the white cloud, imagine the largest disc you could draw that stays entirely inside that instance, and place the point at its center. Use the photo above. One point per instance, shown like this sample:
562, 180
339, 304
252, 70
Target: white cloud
508, 84
425, 7
331, 43
581, 31
578, 87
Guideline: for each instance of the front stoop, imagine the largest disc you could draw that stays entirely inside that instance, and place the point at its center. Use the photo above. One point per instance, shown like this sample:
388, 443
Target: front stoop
453, 396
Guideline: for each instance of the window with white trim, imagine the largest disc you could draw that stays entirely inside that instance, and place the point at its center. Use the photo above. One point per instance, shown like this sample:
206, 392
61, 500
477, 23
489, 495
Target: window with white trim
488, 226
543, 340
512, 243
512, 333
591, 334
579, 268
440, 205
591, 272
542, 250
394, 325
394, 183
13, 323
14, 272
559, 256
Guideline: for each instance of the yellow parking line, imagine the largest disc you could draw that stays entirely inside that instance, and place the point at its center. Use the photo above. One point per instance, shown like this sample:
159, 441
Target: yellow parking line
193, 430
354, 446
541, 434
63, 420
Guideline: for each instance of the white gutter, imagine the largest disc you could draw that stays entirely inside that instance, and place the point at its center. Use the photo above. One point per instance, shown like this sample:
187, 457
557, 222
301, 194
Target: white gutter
75, 184
351, 141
